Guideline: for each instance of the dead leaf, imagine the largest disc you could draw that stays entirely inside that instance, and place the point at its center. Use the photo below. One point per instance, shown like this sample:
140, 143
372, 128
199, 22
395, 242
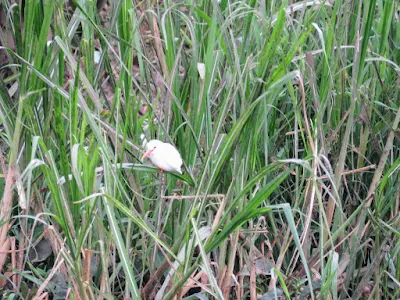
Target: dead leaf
40, 252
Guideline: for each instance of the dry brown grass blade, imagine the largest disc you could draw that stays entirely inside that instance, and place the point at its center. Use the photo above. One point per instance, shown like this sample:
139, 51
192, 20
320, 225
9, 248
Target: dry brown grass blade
232, 256
203, 280
39, 294
253, 278
148, 289
56, 245
21, 257
219, 212
6, 206
150, 285
159, 47
6, 203
13, 259
239, 288
193, 282
221, 279
87, 262
5, 278
4, 250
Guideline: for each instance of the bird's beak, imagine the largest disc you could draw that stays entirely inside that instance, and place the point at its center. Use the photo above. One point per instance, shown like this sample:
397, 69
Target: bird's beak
147, 153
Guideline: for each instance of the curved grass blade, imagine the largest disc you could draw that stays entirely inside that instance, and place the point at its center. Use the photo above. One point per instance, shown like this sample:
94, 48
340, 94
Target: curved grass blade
123, 254
248, 211
140, 223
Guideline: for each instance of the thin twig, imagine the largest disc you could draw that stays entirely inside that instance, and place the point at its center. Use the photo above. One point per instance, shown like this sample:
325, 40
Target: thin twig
180, 197
359, 170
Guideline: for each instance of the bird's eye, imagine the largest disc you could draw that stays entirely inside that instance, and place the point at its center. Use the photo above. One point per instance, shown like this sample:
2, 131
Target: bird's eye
154, 147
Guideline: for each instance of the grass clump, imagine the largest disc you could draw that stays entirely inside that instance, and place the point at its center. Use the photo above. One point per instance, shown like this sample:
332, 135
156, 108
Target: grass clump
287, 118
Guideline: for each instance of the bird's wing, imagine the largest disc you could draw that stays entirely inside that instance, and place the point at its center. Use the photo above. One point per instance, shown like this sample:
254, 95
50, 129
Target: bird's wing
173, 155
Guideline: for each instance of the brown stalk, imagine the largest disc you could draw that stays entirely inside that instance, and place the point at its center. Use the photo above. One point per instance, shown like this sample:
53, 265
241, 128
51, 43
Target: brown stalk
44, 296
223, 272
21, 256
203, 280
6, 203
228, 277
6, 206
253, 277
56, 245
148, 288
219, 213
192, 282
4, 249
169, 95
13, 259
158, 46
240, 288
87, 261
46, 282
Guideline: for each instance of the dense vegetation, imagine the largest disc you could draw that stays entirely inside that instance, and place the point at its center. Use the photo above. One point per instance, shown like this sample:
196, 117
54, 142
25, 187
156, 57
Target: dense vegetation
287, 118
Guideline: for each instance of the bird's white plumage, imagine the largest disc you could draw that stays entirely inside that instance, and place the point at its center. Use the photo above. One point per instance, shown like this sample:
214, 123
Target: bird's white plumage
164, 156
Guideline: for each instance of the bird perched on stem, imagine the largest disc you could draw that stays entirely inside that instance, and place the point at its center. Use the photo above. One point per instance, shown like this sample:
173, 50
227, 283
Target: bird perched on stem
164, 156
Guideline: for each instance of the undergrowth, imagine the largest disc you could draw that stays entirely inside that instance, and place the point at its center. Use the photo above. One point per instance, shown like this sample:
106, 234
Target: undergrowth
287, 119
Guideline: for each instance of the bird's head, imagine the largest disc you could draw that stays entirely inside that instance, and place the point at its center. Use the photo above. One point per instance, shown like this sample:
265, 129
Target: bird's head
150, 147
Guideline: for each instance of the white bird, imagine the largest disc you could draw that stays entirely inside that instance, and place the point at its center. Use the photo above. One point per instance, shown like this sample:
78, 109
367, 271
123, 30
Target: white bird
164, 156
